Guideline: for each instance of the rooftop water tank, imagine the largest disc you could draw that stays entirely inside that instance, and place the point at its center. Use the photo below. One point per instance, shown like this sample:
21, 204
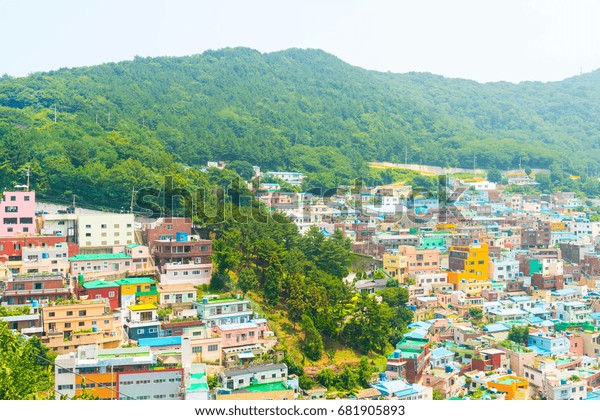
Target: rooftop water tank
182, 236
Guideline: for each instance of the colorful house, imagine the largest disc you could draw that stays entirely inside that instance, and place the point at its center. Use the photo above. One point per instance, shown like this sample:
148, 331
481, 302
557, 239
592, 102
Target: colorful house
516, 388
132, 285
141, 321
100, 289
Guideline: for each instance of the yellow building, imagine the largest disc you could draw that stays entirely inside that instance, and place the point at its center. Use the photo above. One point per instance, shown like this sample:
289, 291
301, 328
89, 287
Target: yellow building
469, 263
395, 265
138, 290
515, 387
69, 326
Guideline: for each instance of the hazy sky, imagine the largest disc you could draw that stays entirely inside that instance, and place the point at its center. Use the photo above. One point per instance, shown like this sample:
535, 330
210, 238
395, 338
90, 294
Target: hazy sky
475, 39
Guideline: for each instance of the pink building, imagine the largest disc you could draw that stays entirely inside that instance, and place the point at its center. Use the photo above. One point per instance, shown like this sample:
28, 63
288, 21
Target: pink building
235, 335
17, 213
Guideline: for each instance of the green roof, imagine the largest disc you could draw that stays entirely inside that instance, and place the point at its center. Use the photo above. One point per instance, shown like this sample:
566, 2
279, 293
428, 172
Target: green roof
87, 257
135, 280
150, 292
99, 284
124, 352
129, 246
197, 382
273, 386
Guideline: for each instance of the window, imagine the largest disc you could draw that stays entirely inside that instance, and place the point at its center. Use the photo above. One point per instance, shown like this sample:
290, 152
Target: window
128, 225
197, 349
26, 220
11, 209
83, 313
67, 325
88, 234
117, 226
69, 313
10, 220
81, 323
88, 226
213, 347
13, 198
103, 226
26, 198
111, 294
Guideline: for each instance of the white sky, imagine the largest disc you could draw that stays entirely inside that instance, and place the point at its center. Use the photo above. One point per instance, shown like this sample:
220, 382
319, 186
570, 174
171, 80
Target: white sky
483, 40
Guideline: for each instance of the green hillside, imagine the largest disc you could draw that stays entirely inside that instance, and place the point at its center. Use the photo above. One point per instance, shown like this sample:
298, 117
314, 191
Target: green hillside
124, 124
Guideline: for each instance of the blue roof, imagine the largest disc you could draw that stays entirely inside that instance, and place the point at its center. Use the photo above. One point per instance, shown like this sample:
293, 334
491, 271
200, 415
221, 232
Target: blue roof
563, 292
159, 342
538, 350
535, 320
425, 325
519, 298
441, 352
595, 315
493, 328
419, 333
536, 310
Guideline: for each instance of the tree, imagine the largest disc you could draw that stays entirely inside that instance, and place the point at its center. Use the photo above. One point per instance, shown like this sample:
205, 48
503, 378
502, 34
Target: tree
313, 342
219, 280
365, 370
212, 381
494, 175
528, 171
326, 377
272, 286
476, 313
369, 328
247, 280
25, 367
519, 334
437, 395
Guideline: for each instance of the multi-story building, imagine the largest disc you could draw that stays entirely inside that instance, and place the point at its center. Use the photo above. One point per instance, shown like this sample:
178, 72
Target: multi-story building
131, 287
95, 233
75, 324
292, 178
235, 379
183, 260
42, 253
100, 289
17, 213
141, 321
165, 229
117, 374
573, 311
100, 265
219, 311
170, 294
549, 344
25, 289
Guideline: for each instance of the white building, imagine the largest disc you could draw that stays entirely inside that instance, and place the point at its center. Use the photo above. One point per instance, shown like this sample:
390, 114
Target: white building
91, 230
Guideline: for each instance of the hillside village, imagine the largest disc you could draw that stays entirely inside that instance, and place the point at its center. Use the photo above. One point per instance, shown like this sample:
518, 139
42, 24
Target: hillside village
503, 290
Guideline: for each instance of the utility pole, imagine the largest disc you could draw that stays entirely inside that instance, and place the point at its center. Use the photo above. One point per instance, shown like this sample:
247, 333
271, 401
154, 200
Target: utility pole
108, 117
406, 155
132, 194
28, 174
96, 118
54, 114
74, 200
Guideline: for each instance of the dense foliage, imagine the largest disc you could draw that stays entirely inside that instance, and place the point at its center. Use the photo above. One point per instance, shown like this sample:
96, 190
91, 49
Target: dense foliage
26, 371
124, 125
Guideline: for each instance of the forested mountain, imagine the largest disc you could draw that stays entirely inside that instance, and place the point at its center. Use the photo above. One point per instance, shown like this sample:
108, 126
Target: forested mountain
124, 124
